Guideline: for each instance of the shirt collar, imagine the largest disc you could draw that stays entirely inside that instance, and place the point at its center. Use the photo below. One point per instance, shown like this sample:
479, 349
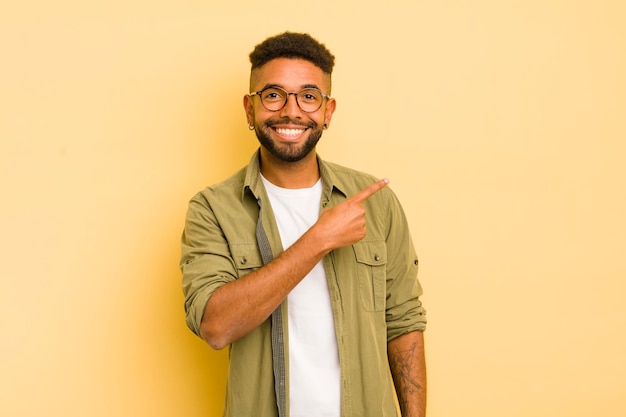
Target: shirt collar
253, 183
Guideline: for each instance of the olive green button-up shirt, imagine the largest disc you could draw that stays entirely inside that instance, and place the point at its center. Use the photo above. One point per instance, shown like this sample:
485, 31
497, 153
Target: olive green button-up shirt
373, 287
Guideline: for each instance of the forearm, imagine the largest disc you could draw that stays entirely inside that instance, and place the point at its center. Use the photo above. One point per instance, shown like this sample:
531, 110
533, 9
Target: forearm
240, 306
408, 369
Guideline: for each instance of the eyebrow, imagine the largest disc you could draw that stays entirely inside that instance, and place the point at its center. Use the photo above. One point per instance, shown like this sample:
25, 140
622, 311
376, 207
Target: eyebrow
270, 85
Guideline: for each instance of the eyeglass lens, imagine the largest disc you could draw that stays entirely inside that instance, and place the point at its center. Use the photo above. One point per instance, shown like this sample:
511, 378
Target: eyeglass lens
309, 99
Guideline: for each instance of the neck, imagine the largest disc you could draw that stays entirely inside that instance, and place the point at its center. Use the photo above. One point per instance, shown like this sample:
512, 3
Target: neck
301, 174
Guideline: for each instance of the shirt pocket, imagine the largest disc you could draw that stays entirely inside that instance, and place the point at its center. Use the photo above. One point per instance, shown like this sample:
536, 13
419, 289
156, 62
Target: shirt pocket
371, 261
247, 258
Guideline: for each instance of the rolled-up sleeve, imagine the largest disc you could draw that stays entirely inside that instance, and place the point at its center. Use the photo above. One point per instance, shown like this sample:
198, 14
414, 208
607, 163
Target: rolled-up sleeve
404, 311
206, 261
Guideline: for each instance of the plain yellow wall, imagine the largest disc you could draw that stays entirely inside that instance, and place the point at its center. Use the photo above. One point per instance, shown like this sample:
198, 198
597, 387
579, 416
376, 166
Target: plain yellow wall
500, 123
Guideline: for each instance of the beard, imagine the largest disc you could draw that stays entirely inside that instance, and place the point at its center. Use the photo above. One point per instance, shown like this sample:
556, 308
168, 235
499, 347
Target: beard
290, 152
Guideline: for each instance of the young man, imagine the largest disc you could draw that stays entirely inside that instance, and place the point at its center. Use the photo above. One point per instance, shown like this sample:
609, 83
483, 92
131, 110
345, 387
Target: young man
304, 268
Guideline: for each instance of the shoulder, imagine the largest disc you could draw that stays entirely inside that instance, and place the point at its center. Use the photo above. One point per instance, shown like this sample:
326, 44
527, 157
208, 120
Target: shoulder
350, 181
231, 186
345, 172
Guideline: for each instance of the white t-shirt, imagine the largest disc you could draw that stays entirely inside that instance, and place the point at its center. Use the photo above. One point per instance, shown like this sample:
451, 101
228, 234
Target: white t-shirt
314, 376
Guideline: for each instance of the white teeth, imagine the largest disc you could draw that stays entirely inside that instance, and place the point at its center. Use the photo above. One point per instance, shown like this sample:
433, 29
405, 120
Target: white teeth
290, 132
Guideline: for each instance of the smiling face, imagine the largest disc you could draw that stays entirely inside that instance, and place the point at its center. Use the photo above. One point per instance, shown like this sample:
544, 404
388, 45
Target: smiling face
289, 134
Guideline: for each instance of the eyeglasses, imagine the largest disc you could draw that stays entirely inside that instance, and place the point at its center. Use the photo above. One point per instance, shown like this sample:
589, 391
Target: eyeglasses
274, 98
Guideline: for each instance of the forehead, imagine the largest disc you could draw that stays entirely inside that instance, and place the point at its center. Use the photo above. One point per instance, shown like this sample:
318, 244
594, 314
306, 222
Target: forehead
291, 74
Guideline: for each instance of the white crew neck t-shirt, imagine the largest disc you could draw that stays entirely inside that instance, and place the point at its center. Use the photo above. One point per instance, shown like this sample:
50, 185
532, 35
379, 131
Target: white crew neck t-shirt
314, 376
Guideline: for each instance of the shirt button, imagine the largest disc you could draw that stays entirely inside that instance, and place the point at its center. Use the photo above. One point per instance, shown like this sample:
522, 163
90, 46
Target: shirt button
244, 261
376, 258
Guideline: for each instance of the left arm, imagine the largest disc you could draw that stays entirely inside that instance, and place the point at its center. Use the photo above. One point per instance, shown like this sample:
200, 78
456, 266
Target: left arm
408, 369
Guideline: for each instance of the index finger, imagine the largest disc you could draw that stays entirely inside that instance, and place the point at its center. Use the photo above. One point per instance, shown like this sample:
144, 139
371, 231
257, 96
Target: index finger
370, 190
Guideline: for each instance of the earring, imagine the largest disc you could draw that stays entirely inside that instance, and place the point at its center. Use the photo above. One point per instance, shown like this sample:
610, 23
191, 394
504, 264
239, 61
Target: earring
251, 127
325, 126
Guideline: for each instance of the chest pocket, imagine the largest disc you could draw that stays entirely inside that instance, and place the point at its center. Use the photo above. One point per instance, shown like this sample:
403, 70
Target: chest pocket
247, 258
371, 260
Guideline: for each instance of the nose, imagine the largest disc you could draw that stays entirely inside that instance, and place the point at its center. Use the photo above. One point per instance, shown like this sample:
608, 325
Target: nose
291, 107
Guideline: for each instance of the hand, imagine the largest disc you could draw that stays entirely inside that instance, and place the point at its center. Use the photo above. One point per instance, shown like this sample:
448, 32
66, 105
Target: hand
344, 224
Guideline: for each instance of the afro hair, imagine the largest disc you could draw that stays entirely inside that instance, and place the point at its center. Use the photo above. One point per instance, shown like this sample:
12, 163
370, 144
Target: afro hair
293, 45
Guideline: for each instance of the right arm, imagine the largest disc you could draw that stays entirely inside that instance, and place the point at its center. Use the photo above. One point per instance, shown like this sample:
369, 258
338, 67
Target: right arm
238, 307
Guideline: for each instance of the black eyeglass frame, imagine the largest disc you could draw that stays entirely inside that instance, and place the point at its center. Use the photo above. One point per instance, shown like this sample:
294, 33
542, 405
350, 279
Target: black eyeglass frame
288, 93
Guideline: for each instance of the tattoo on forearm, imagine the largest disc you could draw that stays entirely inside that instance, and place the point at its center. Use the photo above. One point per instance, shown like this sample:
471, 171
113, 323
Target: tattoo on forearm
404, 375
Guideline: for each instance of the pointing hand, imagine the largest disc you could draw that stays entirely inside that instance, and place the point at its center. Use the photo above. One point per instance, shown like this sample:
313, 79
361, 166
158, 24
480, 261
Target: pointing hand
344, 224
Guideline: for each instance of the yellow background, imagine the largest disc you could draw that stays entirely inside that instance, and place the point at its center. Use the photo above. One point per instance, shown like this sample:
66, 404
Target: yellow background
500, 123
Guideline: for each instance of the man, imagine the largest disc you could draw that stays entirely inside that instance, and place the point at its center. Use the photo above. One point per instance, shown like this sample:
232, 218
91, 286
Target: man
304, 268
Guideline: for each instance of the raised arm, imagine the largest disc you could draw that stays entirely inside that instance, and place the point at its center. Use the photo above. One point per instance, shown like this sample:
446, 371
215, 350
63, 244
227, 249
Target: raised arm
238, 307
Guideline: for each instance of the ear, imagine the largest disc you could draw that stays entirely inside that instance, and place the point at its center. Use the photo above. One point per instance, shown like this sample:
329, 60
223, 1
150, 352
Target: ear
331, 105
248, 106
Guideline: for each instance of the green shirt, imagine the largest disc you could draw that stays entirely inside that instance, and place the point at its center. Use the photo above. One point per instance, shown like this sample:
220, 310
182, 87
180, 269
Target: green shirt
373, 287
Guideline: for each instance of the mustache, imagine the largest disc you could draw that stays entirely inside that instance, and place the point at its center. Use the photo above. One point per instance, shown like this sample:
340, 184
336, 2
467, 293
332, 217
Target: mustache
287, 120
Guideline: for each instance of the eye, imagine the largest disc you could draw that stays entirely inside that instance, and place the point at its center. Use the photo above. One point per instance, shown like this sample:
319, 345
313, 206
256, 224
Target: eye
310, 96
272, 94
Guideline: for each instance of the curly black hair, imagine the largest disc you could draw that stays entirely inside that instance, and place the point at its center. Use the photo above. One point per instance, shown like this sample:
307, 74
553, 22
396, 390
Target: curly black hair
293, 45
